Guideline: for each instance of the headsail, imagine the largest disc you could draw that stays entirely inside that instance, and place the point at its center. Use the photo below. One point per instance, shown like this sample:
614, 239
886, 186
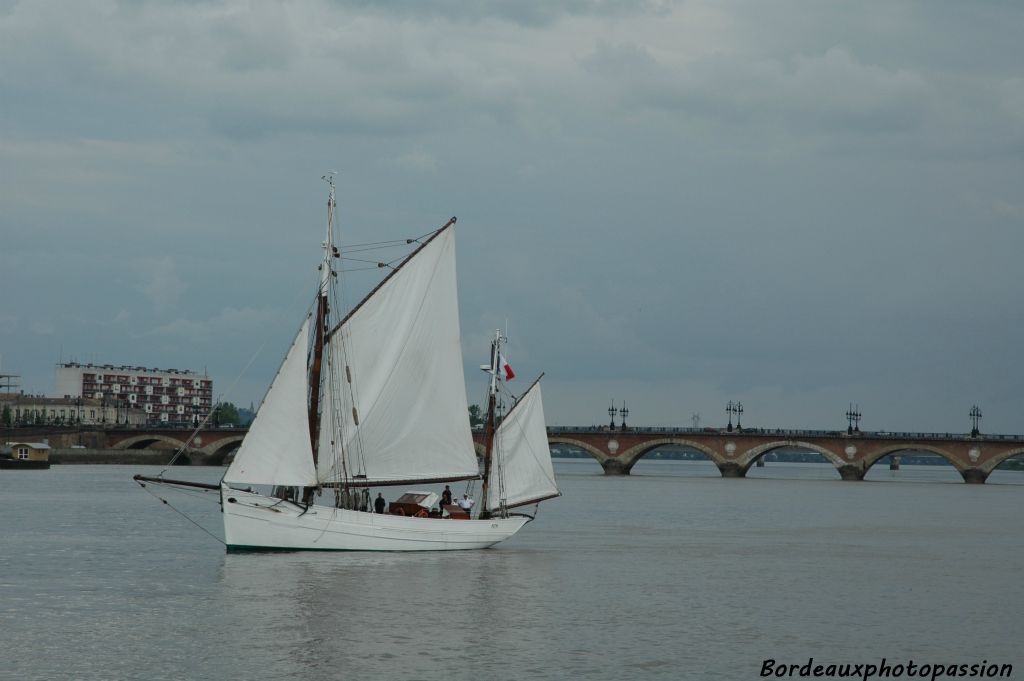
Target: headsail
523, 461
397, 362
277, 449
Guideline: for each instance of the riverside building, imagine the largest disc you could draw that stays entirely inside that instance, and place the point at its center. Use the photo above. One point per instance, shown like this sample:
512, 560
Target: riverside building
37, 410
169, 396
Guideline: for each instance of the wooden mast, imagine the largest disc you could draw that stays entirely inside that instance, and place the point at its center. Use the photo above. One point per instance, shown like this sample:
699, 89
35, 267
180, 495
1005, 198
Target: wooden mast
326, 271
489, 427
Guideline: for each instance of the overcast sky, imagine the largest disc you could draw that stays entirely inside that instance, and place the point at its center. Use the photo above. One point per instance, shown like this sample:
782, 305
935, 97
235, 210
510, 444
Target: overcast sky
792, 204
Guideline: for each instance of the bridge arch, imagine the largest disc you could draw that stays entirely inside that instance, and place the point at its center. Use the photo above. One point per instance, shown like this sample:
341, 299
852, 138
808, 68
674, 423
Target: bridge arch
994, 462
873, 458
143, 441
750, 456
637, 452
217, 453
589, 449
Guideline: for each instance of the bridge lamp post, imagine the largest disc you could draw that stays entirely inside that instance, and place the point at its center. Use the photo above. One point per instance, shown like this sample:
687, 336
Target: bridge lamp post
853, 417
975, 415
739, 415
729, 409
624, 412
612, 411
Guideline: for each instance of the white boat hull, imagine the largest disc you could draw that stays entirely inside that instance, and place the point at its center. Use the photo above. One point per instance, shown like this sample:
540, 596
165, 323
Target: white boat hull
254, 522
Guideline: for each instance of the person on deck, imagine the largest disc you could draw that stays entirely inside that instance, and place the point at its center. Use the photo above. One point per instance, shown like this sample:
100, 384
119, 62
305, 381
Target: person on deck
465, 503
446, 496
379, 503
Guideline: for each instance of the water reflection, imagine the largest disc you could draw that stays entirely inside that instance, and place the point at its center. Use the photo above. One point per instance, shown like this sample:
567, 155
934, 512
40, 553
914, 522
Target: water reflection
361, 612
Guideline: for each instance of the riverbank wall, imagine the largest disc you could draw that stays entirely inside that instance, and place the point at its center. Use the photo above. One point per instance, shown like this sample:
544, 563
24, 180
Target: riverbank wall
124, 457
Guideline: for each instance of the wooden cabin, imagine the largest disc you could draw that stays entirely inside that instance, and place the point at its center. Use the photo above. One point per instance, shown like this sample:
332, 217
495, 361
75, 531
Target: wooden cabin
25, 455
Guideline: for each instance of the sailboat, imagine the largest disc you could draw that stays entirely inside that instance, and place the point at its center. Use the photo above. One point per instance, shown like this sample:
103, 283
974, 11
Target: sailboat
377, 399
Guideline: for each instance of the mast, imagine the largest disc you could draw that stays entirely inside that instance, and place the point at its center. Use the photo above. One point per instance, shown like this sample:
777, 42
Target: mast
321, 321
489, 428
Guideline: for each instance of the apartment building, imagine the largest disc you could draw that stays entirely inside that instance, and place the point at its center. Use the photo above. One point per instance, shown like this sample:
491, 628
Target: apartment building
170, 396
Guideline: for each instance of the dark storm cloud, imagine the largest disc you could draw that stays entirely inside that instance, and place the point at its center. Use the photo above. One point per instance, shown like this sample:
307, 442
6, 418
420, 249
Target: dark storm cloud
792, 204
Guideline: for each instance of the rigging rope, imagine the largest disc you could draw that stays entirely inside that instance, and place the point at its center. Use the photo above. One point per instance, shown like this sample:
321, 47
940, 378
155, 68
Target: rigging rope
206, 418
181, 513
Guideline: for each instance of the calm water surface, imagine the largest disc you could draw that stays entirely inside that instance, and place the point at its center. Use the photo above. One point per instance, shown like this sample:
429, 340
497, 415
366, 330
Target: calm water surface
671, 573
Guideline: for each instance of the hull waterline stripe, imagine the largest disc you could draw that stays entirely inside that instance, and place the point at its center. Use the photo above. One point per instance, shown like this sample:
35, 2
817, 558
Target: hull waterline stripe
244, 548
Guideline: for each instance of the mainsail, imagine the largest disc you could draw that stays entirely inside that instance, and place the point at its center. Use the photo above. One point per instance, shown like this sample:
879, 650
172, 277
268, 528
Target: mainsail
522, 458
277, 449
400, 395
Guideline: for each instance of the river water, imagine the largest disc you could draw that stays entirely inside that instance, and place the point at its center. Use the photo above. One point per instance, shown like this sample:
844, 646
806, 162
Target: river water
670, 573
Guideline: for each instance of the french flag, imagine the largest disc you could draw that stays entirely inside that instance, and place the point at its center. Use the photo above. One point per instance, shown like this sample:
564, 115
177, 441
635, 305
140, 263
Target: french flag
503, 365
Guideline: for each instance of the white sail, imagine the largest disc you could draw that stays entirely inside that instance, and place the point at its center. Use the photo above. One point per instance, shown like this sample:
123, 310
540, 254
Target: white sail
522, 470
277, 448
404, 415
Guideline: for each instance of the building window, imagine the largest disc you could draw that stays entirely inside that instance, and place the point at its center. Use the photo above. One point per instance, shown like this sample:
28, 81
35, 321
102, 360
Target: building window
92, 413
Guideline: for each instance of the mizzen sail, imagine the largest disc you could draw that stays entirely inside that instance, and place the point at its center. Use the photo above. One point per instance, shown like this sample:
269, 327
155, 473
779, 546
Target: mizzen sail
523, 471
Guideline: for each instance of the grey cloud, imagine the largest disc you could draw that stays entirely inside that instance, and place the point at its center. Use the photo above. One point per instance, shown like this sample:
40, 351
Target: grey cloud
830, 92
160, 281
229, 321
675, 203
529, 13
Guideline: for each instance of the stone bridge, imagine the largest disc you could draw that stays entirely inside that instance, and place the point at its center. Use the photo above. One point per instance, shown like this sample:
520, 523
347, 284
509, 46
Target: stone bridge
209, 447
735, 452
618, 450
